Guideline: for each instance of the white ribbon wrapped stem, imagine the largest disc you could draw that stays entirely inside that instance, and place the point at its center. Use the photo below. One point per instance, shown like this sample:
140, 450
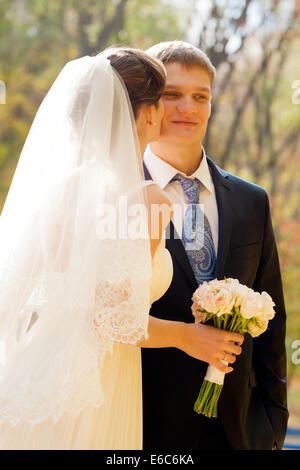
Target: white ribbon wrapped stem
215, 375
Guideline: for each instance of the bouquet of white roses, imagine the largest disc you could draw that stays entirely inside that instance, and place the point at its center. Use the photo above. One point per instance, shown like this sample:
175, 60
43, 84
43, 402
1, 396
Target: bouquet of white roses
230, 306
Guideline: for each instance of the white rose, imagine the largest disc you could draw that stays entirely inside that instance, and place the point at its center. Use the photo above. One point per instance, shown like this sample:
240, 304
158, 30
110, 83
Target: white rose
224, 300
215, 297
268, 311
241, 293
197, 303
257, 326
231, 282
252, 305
208, 302
203, 298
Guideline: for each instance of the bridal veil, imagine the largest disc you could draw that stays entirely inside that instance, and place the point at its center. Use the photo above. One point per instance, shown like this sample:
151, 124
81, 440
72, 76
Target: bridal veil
74, 270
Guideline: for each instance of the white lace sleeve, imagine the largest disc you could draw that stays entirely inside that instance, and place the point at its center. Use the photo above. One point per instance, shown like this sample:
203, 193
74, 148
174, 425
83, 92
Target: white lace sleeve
122, 302
116, 315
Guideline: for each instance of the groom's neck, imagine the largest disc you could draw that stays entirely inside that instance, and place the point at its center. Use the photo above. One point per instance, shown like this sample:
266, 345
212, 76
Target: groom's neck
183, 158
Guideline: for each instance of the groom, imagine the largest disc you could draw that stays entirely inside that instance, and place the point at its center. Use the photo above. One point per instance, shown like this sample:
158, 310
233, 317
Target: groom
252, 411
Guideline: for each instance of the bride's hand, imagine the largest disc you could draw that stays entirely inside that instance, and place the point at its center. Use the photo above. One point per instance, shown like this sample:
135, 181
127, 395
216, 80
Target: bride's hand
209, 344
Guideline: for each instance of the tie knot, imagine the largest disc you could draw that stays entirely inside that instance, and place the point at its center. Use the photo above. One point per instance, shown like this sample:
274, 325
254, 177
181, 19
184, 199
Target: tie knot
191, 187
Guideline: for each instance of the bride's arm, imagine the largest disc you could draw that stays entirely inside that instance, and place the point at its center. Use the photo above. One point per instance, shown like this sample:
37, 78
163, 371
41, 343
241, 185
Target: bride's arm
200, 341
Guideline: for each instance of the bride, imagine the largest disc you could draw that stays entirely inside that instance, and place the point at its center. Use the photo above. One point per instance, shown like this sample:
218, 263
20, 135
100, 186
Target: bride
79, 272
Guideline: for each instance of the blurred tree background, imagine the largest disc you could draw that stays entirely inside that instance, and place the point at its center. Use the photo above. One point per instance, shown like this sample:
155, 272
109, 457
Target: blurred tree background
255, 122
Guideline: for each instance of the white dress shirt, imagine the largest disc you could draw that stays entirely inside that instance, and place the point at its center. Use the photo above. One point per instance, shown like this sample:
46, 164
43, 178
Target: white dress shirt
162, 172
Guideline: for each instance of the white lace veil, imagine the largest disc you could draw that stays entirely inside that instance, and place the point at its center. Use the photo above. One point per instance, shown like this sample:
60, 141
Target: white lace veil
67, 292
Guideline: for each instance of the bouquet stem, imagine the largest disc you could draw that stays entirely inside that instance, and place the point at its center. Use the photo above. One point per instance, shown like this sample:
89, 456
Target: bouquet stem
230, 306
207, 400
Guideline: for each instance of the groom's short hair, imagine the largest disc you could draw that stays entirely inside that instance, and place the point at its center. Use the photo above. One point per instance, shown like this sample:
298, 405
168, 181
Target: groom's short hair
184, 53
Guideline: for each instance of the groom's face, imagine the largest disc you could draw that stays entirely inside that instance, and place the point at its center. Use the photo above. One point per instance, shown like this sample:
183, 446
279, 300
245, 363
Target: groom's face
187, 102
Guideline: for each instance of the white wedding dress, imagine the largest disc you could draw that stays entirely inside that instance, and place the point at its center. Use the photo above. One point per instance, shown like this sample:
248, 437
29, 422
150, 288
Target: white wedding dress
117, 424
74, 297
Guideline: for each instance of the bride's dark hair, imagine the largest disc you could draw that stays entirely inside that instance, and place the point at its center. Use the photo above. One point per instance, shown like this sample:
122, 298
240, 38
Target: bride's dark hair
143, 76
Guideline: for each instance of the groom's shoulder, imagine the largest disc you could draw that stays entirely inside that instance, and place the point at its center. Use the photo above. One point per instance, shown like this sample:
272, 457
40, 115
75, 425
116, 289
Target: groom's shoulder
239, 183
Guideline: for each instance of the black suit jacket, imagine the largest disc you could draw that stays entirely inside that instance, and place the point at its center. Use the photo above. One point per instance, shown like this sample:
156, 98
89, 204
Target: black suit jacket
252, 406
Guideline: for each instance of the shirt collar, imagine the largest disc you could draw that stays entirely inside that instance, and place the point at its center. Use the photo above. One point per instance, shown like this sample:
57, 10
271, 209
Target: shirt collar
162, 172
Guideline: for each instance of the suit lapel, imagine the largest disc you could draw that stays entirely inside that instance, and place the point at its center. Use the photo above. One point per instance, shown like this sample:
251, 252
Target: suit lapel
225, 204
176, 248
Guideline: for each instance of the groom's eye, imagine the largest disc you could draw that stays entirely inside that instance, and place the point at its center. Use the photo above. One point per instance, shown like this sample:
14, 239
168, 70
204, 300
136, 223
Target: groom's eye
202, 97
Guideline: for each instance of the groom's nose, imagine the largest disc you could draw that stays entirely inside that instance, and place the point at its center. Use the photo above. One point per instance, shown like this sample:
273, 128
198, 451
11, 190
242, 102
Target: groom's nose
186, 104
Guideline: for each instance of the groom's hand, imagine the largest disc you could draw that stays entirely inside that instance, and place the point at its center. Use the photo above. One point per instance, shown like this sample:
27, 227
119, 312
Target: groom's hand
210, 344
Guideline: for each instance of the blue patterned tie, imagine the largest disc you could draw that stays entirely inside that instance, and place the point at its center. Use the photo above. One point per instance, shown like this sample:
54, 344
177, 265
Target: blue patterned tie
196, 235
